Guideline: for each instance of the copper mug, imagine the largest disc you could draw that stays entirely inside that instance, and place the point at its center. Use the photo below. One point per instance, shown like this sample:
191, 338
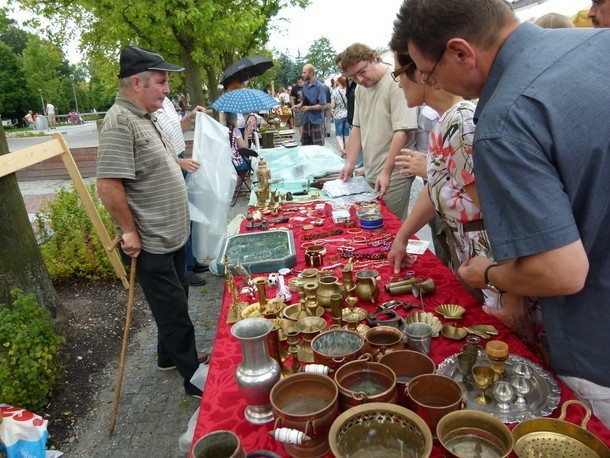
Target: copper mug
432, 396
218, 444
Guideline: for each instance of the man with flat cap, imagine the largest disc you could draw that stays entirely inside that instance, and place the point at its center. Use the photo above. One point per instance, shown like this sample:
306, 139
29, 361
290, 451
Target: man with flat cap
141, 185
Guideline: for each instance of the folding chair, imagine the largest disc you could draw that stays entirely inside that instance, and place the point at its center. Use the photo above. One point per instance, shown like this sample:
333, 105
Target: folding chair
247, 154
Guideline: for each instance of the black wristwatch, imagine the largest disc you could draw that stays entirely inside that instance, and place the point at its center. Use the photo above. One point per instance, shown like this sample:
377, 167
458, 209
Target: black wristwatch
488, 281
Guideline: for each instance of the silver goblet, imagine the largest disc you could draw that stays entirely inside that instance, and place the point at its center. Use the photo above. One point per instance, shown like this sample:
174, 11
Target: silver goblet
523, 370
503, 392
522, 386
465, 362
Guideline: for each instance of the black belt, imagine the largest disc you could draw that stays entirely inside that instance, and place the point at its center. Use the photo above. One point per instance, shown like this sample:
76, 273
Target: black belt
472, 226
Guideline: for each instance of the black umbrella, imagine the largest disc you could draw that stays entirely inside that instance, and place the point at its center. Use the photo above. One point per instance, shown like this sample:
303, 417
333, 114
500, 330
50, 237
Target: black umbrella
246, 68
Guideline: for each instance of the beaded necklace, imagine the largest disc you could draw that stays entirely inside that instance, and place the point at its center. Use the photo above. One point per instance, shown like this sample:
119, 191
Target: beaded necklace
321, 235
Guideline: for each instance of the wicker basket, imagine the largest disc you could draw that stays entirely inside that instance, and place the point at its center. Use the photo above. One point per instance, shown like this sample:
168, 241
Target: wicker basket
379, 429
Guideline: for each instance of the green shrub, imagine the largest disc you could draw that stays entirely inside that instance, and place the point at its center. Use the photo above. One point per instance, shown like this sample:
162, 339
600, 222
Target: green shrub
30, 349
70, 246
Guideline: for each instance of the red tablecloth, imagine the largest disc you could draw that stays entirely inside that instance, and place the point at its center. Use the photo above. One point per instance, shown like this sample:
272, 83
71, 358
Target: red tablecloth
222, 407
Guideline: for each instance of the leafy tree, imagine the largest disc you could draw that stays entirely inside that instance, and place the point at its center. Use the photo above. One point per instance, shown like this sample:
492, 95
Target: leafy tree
13, 92
21, 263
322, 55
203, 35
286, 70
44, 65
11, 35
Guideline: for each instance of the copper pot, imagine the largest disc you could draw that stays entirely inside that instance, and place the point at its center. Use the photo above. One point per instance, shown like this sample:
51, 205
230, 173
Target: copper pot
463, 431
407, 364
336, 347
363, 381
307, 403
432, 396
382, 340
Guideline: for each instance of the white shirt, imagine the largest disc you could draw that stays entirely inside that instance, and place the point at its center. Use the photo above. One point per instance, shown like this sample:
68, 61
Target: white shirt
169, 121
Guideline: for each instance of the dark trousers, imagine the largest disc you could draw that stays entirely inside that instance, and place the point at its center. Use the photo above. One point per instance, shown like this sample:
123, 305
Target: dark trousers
164, 281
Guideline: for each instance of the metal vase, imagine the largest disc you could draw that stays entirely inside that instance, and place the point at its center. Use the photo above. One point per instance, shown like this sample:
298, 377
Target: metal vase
258, 372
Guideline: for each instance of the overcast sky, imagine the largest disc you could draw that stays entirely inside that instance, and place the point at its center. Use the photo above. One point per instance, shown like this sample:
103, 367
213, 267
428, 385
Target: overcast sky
344, 22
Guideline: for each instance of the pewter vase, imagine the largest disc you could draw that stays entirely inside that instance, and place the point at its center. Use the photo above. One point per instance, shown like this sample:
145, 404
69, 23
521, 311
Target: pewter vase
258, 372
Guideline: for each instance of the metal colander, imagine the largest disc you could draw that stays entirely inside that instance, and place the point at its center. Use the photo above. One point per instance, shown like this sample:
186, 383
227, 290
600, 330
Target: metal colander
380, 430
557, 438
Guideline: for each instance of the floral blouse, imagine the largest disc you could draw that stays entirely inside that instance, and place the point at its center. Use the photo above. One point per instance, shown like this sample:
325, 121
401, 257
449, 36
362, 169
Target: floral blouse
450, 170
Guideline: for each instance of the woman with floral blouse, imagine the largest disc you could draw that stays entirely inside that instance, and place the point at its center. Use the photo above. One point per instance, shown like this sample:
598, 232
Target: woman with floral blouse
450, 192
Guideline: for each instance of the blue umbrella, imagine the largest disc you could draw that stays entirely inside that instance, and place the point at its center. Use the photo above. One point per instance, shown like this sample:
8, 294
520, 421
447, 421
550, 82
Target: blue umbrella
244, 101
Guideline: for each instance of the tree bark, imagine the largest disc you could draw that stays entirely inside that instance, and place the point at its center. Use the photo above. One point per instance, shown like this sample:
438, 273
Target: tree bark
21, 262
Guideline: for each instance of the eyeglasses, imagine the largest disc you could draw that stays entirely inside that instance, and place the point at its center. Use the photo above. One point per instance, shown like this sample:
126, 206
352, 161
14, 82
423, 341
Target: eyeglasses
430, 80
396, 74
359, 73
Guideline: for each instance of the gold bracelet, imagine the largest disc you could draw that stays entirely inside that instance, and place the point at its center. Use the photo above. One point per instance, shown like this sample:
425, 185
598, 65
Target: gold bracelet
355, 230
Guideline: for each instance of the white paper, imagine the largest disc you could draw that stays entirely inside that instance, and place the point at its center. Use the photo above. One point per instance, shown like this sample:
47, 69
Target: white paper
337, 188
417, 246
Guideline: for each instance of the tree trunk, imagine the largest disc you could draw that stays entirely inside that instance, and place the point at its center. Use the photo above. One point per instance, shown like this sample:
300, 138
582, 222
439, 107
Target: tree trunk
21, 263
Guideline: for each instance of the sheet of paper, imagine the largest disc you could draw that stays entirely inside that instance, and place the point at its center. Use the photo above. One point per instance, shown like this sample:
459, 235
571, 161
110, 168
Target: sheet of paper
337, 188
417, 246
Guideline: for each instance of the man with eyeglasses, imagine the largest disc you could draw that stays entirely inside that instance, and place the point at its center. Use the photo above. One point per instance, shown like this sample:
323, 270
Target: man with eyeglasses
542, 166
383, 125
600, 13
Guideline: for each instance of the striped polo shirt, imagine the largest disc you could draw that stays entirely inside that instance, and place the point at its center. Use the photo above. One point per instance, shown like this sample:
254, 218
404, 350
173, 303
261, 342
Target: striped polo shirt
133, 148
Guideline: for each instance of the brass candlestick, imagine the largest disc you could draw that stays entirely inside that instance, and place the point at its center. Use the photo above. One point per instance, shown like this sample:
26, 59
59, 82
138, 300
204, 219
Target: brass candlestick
260, 283
292, 338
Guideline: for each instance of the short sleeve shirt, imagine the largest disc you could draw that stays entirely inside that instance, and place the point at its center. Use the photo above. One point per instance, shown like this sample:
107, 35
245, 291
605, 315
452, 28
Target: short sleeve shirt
380, 111
542, 158
133, 148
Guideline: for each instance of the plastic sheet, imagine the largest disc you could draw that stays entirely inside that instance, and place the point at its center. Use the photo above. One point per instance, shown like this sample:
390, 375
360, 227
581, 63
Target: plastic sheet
210, 189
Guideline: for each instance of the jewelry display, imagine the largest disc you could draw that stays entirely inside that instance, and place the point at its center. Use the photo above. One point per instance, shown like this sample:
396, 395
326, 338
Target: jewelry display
322, 235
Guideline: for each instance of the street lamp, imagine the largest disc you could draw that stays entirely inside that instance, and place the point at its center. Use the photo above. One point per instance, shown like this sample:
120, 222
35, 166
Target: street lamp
75, 101
41, 101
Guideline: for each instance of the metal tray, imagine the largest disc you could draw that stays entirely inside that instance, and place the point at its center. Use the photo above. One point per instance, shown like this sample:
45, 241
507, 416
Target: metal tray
542, 399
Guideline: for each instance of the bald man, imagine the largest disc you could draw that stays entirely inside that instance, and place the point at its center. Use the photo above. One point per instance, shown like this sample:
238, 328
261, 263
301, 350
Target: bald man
313, 105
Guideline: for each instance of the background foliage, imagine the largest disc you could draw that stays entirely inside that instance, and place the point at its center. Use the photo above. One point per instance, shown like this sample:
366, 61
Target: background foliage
70, 247
205, 36
29, 353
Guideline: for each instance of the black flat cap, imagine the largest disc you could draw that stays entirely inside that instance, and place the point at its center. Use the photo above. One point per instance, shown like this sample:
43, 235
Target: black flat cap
135, 60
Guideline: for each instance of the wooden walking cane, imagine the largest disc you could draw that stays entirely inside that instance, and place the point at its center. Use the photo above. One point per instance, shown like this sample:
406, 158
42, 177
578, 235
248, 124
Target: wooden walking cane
119, 382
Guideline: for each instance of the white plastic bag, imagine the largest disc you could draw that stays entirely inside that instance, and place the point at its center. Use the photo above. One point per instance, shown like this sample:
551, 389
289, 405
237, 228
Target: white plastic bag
23, 434
210, 188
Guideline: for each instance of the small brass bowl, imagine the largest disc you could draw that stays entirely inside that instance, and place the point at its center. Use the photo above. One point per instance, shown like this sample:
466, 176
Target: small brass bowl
453, 332
450, 311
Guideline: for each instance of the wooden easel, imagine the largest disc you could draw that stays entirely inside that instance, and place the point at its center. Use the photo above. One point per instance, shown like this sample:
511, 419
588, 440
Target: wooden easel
12, 162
